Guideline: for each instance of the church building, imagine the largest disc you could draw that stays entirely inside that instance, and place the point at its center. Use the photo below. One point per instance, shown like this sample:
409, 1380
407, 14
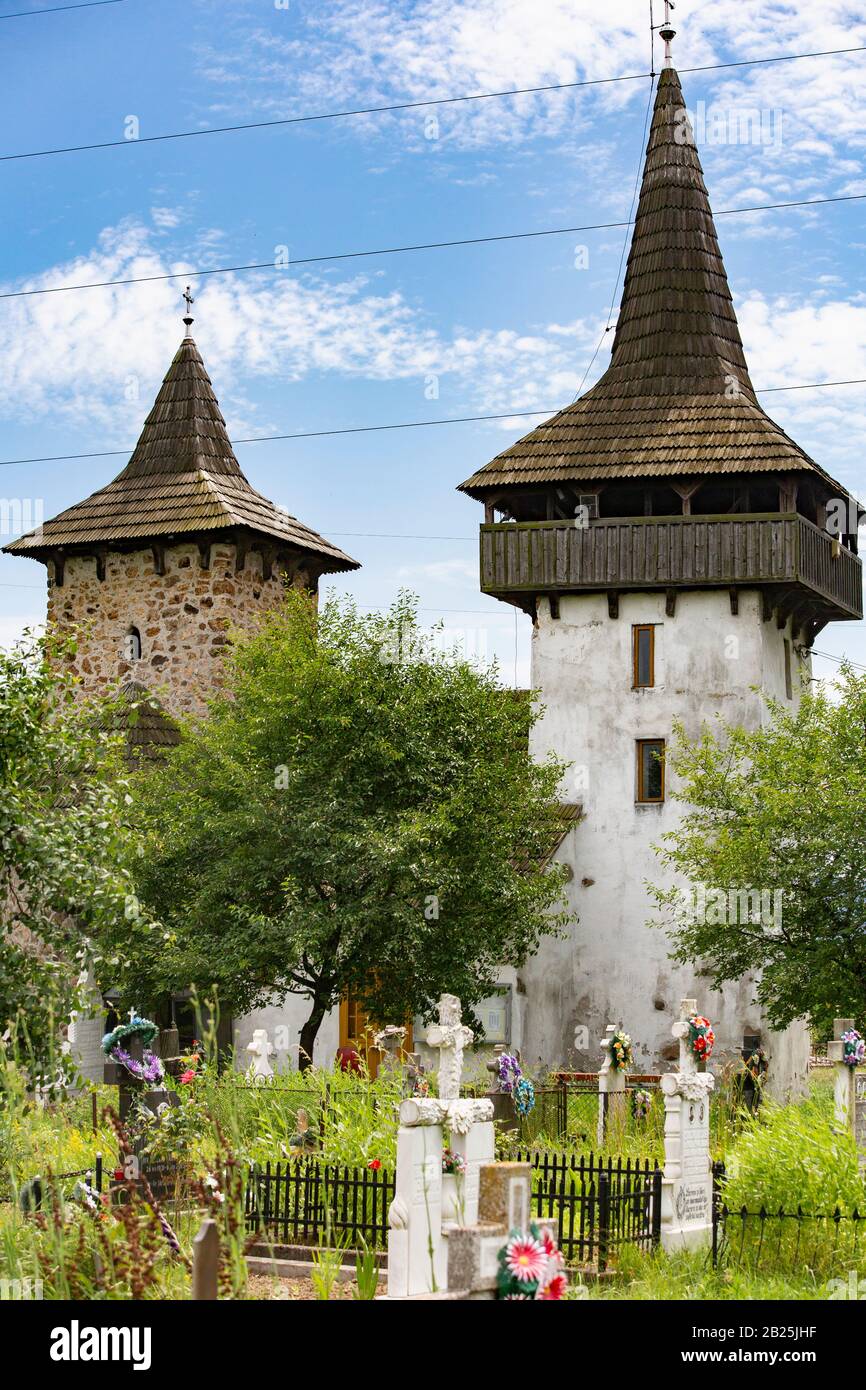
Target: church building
674, 550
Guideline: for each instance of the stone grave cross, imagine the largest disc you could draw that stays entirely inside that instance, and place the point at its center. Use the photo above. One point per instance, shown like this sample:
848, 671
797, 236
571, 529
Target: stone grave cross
419, 1219
849, 1089
450, 1036
687, 1183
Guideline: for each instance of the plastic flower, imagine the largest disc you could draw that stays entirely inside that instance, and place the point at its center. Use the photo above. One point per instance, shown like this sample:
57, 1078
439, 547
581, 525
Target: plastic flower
554, 1288
186, 1077
525, 1258
551, 1249
375, 1164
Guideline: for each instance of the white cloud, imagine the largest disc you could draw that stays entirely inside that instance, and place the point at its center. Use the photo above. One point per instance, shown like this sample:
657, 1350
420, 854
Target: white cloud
96, 358
374, 52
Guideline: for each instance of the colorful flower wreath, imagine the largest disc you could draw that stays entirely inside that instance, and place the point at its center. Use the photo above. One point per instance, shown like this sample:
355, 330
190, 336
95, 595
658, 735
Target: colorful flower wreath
510, 1072
453, 1162
524, 1095
150, 1068
854, 1048
530, 1267
702, 1039
620, 1051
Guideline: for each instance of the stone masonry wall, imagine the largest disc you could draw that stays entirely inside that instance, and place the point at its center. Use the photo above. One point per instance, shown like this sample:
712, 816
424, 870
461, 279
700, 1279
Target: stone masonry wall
183, 618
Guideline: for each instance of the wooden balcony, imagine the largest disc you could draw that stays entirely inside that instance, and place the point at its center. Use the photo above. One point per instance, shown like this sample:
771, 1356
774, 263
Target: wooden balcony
796, 565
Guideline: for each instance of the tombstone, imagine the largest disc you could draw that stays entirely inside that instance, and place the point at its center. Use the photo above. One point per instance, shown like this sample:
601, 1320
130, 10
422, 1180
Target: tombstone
611, 1092
687, 1182
132, 1089
415, 1082
505, 1115
504, 1206
751, 1088
303, 1137
417, 1236
262, 1049
849, 1089
389, 1043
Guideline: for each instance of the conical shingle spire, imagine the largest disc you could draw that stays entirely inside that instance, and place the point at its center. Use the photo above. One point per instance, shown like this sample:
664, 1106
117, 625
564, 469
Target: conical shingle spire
677, 332
185, 430
677, 399
183, 479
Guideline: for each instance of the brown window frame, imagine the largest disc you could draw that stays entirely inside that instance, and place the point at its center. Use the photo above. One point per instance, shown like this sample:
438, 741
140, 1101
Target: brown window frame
637, 629
640, 745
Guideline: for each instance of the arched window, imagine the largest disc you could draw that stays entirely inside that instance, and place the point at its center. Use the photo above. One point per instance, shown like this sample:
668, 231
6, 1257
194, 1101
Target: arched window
132, 645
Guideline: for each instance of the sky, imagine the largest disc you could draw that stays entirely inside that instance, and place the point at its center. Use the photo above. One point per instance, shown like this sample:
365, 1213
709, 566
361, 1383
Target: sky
485, 329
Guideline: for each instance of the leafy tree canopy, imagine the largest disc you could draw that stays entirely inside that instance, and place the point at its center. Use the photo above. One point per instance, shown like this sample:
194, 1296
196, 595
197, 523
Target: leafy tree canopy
357, 812
64, 841
775, 836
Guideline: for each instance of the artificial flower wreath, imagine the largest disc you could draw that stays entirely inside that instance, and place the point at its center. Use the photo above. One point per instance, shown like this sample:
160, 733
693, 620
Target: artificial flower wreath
854, 1048
620, 1051
150, 1068
530, 1267
510, 1072
701, 1036
524, 1095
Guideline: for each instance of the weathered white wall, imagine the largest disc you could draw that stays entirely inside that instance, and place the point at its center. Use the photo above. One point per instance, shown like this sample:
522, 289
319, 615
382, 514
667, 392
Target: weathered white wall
613, 967
283, 1023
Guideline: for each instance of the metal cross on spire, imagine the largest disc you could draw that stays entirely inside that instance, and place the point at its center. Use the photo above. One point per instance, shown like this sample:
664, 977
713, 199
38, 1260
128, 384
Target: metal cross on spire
667, 32
188, 319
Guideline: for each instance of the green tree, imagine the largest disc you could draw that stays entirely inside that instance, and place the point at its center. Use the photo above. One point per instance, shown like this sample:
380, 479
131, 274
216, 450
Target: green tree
357, 812
779, 811
63, 842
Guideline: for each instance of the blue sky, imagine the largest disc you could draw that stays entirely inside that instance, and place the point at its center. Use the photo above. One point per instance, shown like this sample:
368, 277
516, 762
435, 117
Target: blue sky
490, 328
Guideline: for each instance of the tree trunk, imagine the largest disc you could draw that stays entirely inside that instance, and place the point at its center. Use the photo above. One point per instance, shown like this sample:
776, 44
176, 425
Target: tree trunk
308, 1037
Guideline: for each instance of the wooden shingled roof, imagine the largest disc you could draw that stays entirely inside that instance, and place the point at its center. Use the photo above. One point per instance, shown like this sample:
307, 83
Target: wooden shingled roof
665, 406
183, 477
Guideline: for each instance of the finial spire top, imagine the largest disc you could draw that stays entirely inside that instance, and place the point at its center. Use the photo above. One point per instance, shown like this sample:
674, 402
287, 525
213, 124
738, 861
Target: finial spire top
188, 318
668, 32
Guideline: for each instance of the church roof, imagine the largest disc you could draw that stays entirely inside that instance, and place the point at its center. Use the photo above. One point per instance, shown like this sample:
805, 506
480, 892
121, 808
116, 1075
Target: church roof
183, 477
677, 398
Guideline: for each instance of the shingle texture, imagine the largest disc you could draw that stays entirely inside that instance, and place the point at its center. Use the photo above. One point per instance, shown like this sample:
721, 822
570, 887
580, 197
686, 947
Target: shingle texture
183, 477
677, 398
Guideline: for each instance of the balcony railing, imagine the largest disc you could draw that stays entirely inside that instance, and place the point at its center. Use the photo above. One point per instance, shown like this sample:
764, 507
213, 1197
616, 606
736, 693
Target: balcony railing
766, 550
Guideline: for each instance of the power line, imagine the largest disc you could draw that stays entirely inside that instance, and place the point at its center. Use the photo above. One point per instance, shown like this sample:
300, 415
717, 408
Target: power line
401, 250
414, 105
401, 425
59, 9
840, 660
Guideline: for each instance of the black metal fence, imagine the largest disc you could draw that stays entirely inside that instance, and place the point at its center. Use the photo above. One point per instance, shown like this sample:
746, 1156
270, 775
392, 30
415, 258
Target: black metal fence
600, 1204
775, 1242
303, 1201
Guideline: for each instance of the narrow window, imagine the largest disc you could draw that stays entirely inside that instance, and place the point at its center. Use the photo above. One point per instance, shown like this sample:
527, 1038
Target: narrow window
132, 645
650, 769
643, 656
789, 685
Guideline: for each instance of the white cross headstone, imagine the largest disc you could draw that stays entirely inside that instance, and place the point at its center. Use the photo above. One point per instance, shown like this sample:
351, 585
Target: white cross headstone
262, 1049
450, 1036
849, 1089
611, 1083
417, 1258
687, 1183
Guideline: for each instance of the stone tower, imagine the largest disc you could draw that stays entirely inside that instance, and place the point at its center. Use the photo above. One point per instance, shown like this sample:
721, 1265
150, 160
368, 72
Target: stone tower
153, 570
675, 550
